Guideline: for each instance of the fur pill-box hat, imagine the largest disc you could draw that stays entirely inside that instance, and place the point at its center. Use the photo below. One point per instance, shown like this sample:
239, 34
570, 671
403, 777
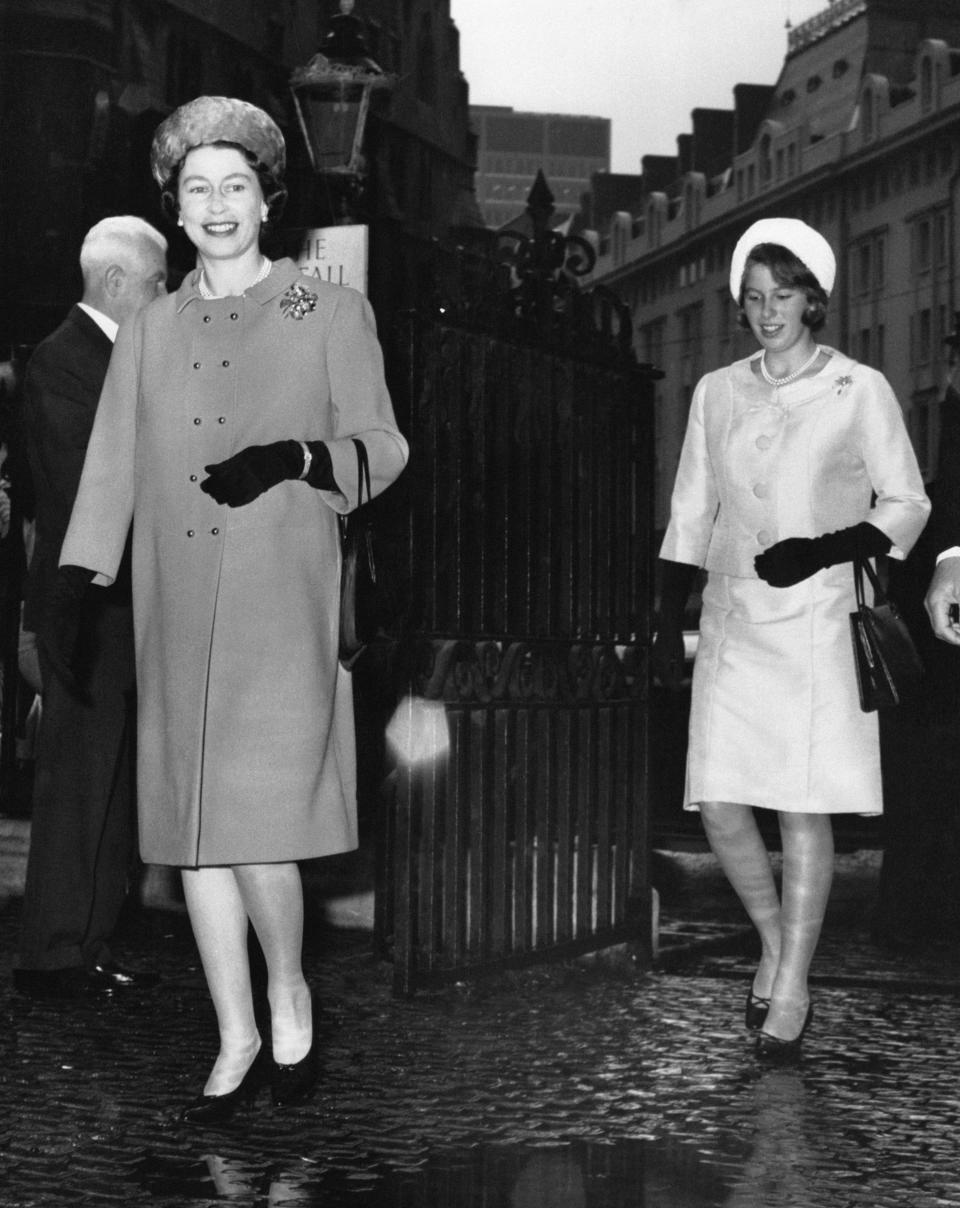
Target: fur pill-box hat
211, 119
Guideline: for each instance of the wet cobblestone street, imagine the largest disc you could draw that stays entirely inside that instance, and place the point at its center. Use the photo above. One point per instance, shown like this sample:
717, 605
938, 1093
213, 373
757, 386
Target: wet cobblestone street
590, 1085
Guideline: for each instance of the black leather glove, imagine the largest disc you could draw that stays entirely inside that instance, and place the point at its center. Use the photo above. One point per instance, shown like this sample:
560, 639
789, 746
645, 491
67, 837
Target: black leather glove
60, 630
667, 656
245, 476
797, 558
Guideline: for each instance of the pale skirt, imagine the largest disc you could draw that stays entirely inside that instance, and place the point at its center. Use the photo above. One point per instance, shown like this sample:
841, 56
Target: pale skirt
775, 717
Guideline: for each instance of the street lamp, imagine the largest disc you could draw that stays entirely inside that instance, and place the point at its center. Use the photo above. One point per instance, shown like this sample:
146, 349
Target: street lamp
332, 96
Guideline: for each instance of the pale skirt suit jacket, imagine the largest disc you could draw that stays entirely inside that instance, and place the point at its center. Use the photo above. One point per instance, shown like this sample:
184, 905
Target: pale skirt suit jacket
246, 732
775, 717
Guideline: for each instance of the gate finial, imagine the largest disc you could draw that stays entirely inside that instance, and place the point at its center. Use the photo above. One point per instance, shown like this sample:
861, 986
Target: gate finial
540, 205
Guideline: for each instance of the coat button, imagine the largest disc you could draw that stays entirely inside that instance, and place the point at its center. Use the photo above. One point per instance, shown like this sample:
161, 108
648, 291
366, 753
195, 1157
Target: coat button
206, 318
214, 531
196, 364
190, 532
764, 537
222, 419
234, 316
764, 442
198, 420
193, 478
761, 490
226, 364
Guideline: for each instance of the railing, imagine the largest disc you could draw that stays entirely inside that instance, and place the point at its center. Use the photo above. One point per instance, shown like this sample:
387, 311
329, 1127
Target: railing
518, 832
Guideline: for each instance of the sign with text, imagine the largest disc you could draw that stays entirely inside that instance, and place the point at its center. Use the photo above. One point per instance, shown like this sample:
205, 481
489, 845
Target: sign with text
337, 254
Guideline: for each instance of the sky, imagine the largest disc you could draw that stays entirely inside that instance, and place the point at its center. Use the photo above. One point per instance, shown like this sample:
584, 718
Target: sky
645, 64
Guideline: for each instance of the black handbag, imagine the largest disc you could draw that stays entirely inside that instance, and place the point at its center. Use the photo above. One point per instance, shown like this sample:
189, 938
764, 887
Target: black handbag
888, 665
366, 604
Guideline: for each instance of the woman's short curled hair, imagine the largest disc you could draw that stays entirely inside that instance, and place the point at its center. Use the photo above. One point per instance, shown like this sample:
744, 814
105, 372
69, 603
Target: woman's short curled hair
271, 186
787, 269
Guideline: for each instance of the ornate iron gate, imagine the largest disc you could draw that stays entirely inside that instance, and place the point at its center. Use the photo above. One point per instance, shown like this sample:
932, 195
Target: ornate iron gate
529, 548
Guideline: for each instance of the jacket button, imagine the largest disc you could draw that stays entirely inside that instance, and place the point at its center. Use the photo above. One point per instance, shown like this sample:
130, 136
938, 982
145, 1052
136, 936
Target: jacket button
193, 478
226, 364
206, 318
196, 364
198, 420
190, 532
222, 419
234, 316
215, 531
761, 490
764, 537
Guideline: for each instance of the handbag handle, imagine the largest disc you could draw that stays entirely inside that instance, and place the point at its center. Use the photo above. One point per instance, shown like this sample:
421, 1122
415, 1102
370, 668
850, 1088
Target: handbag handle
363, 472
861, 567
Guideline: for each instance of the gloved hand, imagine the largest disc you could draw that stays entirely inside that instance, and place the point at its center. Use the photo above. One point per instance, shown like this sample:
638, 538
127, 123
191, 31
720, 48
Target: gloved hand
60, 630
667, 655
797, 558
245, 476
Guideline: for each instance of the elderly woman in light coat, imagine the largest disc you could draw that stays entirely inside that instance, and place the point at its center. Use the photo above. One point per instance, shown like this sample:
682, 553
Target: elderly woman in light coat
794, 459
224, 434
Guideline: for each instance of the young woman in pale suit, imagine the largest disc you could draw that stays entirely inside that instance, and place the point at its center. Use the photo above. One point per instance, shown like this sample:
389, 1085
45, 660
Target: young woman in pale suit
793, 457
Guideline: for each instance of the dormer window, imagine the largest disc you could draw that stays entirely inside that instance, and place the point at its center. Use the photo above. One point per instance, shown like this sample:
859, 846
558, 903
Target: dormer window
867, 115
926, 85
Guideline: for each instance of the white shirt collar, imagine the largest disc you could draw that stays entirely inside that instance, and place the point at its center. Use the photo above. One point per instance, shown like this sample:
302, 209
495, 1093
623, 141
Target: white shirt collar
104, 322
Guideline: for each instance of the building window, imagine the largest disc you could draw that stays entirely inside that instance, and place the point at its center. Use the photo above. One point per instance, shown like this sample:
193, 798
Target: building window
926, 85
426, 63
766, 163
942, 226
651, 342
922, 404
184, 69
921, 330
691, 344
922, 245
866, 111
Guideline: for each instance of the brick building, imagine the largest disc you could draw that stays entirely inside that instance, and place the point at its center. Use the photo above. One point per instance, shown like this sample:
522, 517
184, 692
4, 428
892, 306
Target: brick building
858, 137
84, 83
513, 146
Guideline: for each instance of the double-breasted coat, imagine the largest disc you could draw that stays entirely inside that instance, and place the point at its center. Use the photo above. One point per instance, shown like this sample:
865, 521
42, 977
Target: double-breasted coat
245, 737
775, 718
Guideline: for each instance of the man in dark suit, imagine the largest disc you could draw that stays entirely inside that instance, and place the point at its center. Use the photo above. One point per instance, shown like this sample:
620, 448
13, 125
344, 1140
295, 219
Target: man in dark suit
82, 829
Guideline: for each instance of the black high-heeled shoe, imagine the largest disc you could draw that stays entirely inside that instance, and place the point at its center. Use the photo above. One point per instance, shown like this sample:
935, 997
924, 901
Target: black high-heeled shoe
217, 1109
295, 1083
755, 1013
772, 1048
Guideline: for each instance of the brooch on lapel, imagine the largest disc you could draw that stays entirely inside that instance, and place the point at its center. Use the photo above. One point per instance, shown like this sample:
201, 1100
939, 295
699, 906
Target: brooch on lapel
844, 382
298, 301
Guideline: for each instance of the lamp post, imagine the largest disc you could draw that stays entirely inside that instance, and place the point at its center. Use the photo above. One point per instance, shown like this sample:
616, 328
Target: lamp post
332, 96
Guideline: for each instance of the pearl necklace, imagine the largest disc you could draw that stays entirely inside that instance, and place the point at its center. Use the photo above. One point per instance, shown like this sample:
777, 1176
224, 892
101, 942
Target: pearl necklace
782, 381
206, 292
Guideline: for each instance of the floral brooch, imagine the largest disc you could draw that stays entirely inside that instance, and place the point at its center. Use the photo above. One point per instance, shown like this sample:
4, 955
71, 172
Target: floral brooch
844, 382
298, 301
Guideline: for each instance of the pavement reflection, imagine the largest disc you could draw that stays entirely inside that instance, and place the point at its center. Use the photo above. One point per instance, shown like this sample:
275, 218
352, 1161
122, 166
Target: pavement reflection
575, 1175
786, 1152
